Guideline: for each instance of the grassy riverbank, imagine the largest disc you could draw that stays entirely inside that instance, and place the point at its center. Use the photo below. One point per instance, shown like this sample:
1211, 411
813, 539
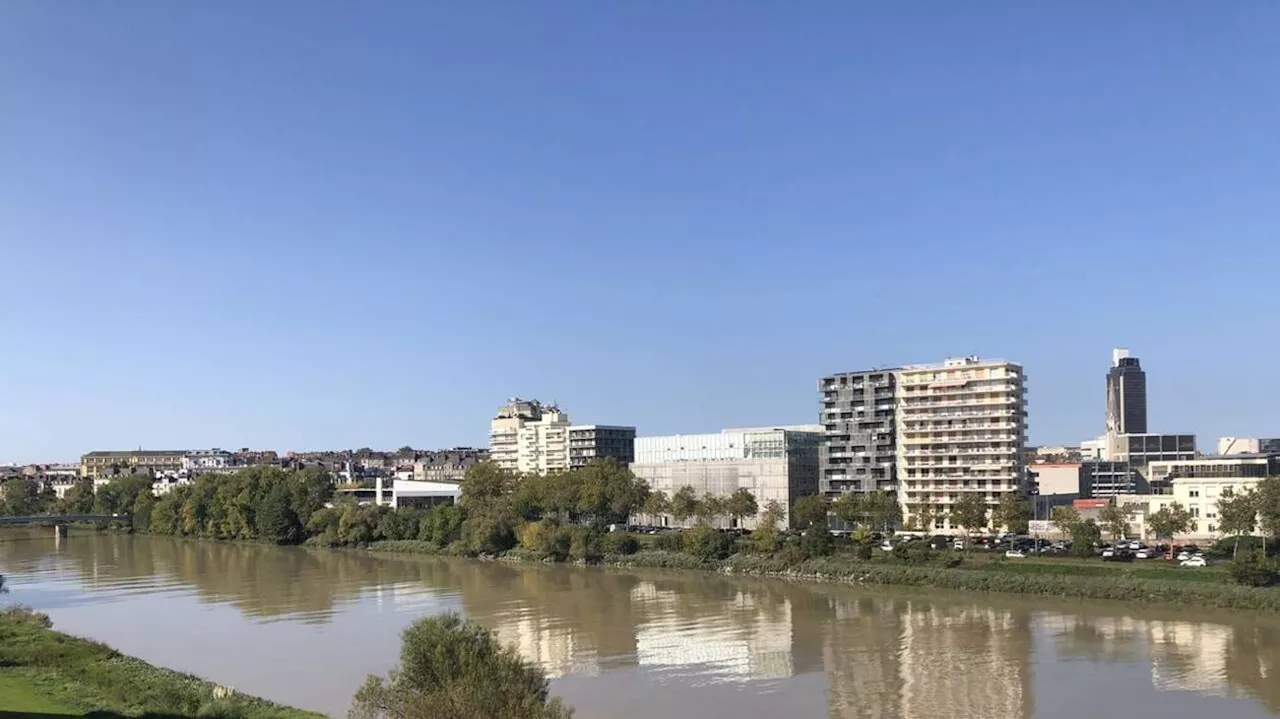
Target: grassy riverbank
47, 673
1060, 578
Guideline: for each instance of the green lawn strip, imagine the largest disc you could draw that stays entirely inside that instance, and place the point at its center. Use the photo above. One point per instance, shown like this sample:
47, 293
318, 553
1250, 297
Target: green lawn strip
20, 691
67, 671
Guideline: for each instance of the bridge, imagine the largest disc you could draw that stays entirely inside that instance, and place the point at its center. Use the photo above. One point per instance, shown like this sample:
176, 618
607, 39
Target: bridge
60, 521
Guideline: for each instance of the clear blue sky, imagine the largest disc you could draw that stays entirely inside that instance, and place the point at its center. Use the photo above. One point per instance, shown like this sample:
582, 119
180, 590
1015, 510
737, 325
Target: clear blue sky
302, 225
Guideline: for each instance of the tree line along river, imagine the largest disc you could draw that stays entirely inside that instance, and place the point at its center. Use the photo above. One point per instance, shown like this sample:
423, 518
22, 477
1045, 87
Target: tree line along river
304, 627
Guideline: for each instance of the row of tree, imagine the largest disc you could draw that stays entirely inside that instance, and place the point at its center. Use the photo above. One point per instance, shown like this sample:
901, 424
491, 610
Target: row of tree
881, 512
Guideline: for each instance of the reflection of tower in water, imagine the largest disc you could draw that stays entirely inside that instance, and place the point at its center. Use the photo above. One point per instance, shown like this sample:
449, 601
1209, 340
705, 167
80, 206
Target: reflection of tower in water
549, 644
887, 659
742, 639
965, 661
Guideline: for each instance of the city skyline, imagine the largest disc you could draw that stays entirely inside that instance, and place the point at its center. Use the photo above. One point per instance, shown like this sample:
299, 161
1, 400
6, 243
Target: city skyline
342, 226
483, 438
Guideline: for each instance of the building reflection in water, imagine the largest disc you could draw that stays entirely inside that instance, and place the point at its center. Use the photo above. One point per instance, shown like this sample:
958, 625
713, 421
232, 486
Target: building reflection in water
1209, 659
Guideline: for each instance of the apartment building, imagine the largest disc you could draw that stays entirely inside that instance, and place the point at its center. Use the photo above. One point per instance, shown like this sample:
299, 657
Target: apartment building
597, 441
773, 463
202, 461
504, 431
961, 429
447, 465
858, 451
102, 465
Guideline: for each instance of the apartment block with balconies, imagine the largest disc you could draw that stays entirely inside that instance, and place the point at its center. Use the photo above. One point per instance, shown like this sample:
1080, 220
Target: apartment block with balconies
858, 451
961, 429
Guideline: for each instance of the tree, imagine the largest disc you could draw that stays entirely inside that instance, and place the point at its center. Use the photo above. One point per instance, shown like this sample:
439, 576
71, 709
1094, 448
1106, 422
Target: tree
809, 511
165, 515
1115, 520
1084, 535
3, 589
141, 512
765, 538
1064, 518
1267, 499
1012, 513
79, 497
1238, 514
882, 510
1169, 521
450, 669
607, 491
970, 512
740, 505
684, 504
928, 513
656, 505
849, 508
276, 519
710, 508
120, 494
20, 497
486, 485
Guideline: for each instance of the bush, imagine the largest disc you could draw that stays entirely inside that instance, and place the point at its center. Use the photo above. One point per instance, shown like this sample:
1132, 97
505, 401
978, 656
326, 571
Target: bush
953, 560
793, 553
585, 544
452, 669
1253, 570
620, 543
708, 544
817, 541
547, 538
1226, 547
913, 553
669, 542
864, 550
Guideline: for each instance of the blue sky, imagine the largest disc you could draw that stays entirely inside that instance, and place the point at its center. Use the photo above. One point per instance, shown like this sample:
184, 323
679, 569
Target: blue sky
305, 225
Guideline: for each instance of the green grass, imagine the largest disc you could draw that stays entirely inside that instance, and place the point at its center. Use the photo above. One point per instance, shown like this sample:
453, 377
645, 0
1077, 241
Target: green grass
20, 694
42, 670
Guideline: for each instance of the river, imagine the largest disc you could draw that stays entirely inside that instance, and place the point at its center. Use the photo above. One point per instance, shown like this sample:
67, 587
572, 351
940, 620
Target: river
305, 627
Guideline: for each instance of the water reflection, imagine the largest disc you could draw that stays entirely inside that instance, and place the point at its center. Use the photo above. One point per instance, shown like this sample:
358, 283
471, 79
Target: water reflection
629, 643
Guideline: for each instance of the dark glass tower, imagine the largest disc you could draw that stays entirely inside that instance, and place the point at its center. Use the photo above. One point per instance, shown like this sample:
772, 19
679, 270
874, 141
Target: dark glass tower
1126, 395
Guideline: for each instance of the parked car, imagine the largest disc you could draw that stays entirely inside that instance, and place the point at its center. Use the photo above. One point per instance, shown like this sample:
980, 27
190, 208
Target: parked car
1015, 554
1145, 554
886, 545
1184, 556
1108, 553
1194, 561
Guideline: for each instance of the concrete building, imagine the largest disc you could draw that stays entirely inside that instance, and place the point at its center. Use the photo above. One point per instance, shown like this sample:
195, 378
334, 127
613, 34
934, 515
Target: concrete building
1126, 395
961, 429
447, 465
203, 461
103, 465
1058, 478
1104, 478
773, 463
597, 441
1198, 484
858, 452
410, 493
1248, 445
1140, 450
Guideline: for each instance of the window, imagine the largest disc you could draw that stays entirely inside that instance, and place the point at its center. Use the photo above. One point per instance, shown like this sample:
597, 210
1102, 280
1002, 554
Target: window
1227, 491
1194, 493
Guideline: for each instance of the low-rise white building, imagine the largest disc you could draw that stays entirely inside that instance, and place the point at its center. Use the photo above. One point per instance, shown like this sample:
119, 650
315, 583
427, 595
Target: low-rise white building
773, 463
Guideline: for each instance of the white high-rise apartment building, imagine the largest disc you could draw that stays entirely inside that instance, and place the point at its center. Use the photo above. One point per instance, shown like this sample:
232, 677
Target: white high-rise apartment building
527, 436
961, 429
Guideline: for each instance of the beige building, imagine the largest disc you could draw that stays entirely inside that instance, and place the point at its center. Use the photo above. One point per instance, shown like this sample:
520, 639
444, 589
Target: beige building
103, 465
961, 429
526, 436
1198, 484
